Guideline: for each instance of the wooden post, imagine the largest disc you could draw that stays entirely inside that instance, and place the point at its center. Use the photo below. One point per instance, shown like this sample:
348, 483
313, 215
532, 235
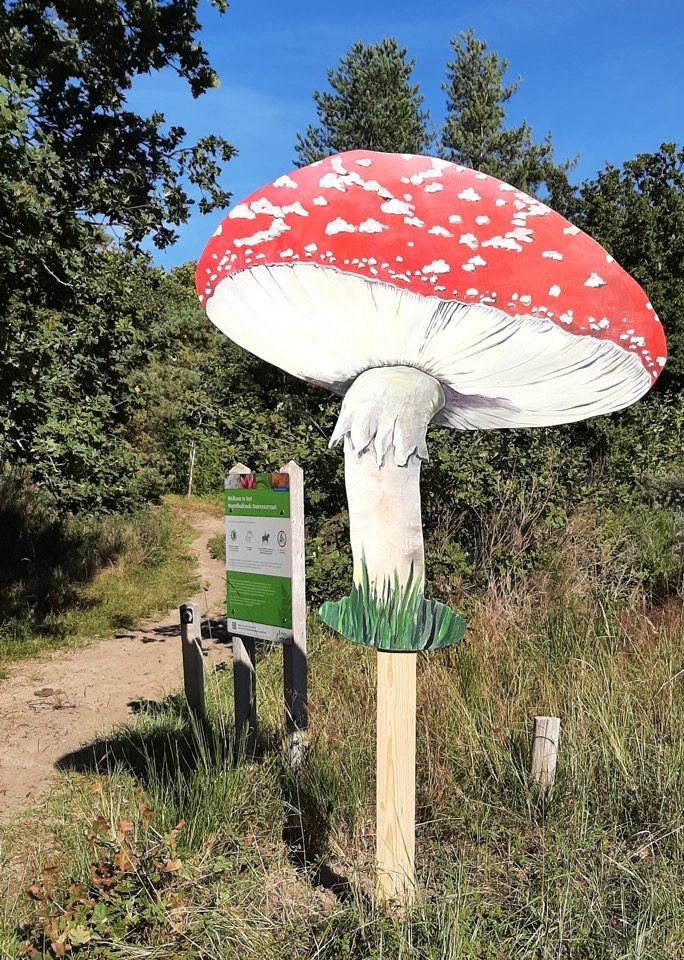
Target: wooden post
244, 690
193, 666
244, 679
294, 654
545, 751
396, 777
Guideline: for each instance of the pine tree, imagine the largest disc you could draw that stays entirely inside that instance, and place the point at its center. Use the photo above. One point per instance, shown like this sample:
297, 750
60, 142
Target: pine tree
474, 133
372, 105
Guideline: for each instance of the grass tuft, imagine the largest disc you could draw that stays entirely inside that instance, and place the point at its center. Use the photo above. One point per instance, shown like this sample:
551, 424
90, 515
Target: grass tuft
394, 617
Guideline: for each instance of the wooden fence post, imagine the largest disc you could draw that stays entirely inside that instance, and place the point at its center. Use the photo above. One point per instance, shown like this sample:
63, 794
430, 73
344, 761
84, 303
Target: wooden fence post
294, 654
545, 751
193, 666
244, 679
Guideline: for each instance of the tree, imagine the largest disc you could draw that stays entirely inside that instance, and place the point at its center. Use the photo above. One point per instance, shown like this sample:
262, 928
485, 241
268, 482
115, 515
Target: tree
372, 106
637, 213
80, 319
474, 134
67, 67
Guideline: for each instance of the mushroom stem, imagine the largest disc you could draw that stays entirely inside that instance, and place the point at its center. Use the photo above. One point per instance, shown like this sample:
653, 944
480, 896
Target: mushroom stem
384, 421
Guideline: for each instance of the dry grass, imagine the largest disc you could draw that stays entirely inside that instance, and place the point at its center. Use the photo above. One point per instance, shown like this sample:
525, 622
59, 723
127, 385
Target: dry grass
274, 866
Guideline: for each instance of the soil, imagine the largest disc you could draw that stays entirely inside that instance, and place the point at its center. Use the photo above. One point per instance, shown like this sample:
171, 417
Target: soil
51, 707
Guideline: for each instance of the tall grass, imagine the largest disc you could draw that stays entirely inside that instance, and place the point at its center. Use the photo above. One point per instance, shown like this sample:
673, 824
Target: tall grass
74, 580
274, 865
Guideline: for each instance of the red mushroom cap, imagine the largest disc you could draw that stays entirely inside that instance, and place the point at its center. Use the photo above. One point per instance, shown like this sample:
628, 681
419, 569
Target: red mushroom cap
367, 259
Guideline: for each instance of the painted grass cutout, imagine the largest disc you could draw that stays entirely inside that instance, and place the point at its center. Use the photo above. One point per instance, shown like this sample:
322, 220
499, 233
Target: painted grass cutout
393, 618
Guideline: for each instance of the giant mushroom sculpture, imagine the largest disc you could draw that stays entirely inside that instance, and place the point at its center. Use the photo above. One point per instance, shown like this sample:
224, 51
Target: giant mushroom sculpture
422, 292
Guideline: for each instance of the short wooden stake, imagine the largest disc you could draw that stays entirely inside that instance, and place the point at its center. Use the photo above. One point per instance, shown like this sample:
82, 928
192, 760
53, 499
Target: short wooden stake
294, 654
193, 665
244, 690
545, 751
396, 778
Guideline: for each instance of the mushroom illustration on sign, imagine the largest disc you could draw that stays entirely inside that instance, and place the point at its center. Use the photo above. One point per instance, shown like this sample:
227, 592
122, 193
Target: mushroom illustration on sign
422, 292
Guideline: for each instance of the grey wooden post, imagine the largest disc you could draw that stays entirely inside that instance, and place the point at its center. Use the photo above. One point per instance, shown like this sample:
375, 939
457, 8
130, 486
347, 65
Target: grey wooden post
545, 751
244, 679
193, 666
294, 654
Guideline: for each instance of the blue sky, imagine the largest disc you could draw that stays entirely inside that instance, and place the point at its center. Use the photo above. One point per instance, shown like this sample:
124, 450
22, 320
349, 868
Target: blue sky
604, 77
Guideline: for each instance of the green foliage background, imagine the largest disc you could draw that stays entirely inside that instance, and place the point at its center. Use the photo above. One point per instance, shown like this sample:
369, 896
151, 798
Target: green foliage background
112, 381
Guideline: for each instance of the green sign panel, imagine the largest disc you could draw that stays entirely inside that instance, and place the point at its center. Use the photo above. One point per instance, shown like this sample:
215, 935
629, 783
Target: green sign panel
259, 555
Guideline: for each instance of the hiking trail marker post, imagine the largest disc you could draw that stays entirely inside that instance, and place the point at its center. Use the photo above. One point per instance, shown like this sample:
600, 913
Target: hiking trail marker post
266, 593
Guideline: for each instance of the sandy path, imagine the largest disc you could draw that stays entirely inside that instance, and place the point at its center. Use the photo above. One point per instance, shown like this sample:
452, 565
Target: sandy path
50, 707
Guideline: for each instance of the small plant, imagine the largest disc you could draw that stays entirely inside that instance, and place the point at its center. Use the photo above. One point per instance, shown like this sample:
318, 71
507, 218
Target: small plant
121, 901
393, 618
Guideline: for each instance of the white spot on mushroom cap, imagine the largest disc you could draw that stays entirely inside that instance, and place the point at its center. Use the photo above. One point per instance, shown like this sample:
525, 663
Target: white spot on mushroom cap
552, 255
396, 206
372, 226
661, 361
470, 240
506, 186
604, 323
566, 317
433, 187
593, 280
471, 292
482, 220
332, 181
287, 253
477, 261
364, 162
338, 225
499, 202
219, 230
555, 290
609, 259
470, 195
414, 222
437, 266
241, 212
455, 218
502, 243
320, 202
262, 236
526, 299
440, 232
521, 233
285, 181
310, 248
571, 231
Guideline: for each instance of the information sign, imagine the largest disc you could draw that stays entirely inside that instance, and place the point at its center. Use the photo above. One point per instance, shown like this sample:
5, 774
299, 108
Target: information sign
259, 556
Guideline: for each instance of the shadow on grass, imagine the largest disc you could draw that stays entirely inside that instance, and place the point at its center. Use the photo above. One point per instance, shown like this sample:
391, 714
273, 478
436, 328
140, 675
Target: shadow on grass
180, 760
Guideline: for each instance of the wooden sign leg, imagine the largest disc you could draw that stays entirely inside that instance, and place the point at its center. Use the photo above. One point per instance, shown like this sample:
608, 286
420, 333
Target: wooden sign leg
244, 690
396, 777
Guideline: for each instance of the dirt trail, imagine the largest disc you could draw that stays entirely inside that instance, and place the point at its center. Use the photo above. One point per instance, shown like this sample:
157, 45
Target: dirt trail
50, 707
